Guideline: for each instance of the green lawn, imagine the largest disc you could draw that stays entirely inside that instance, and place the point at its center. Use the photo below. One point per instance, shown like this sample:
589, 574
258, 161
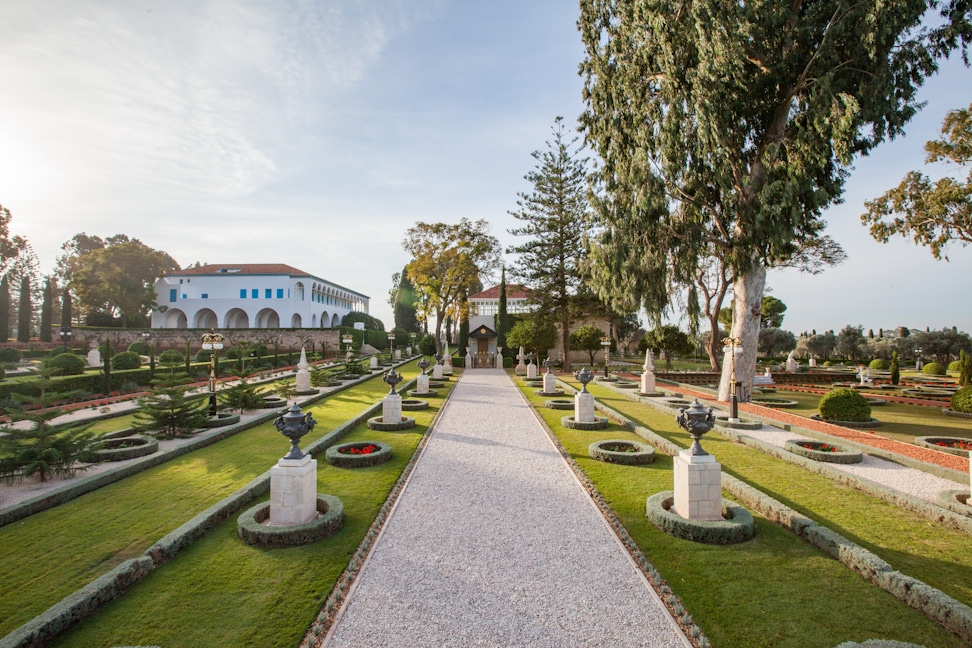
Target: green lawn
775, 590
53, 553
221, 592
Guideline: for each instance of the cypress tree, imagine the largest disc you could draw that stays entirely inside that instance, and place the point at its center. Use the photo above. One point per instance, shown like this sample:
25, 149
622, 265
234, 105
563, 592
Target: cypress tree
106, 367
404, 307
188, 358
23, 315
4, 309
66, 313
47, 312
502, 319
464, 324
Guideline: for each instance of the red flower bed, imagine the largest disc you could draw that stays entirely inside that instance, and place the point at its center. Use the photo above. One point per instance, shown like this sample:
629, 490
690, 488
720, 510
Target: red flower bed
959, 445
368, 449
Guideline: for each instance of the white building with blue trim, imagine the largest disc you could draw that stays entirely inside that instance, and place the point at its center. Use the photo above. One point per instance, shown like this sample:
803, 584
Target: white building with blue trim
251, 295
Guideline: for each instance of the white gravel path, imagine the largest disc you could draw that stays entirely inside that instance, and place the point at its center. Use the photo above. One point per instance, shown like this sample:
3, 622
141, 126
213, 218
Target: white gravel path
493, 542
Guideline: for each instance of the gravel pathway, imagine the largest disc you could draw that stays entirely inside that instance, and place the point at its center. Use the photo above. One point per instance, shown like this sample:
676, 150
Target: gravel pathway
493, 542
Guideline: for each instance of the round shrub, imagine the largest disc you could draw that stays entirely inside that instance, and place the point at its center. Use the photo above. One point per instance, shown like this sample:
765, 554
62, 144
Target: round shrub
126, 360
828, 363
878, 364
954, 365
934, 369
56, 351
3, 372
141, 348
10, 354
67, 364
172, 357
962, 400
202, 355
258, 350
234, 353
844, 404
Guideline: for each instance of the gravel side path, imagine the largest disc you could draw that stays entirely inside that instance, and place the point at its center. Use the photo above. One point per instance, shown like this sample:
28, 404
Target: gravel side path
494, 543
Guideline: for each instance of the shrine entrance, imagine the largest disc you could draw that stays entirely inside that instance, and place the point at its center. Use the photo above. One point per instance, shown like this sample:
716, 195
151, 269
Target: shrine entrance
482, 343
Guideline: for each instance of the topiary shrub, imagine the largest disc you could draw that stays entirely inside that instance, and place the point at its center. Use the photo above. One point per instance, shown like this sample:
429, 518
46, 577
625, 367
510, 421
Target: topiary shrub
141, 348
10, 354
962, 400
955, 366
172, 357
828, 363
67, 364
934, 369
126, 360
844, 404
878, 364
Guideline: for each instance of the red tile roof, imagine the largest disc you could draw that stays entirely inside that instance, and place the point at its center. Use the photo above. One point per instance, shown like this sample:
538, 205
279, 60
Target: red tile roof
244, 269
513, 291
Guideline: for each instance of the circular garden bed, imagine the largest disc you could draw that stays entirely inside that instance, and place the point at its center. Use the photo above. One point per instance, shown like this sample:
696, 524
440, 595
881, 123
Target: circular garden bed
560, 403
952, 445
956, 500
221, 419
872, 423
599, 423
782, 403
876, 402
270, 402
627, 385
428, 393
376, 423
619, 451
821, 451
605, 379
678, 402
545, 394
359, 454
253, 530
120, 449
741, 424
736, 526
414, 404
947, 411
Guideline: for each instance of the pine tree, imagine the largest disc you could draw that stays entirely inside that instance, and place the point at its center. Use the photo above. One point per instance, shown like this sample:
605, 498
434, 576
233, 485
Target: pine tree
554, 217
66, 313
502, 318
167, 412
4, 309
24, 313
47, 312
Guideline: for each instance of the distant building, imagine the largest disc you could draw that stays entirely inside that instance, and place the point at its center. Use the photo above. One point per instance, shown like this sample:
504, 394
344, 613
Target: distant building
487, 302
251, 295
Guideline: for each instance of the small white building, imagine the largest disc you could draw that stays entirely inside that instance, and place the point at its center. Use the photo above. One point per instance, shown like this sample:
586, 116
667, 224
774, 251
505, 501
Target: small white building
487, 302
251, 295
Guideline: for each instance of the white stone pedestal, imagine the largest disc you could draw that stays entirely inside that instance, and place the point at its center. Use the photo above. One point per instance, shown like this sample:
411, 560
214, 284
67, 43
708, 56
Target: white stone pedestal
584, 407
398, 354
293, 491
549, 383
437, 372
468, 359
499, 357
391, 409
373, 363
303, 381
94, 358
422, 383
813, 361
648, 382
520, 365
531, 371
698, 486
447, 367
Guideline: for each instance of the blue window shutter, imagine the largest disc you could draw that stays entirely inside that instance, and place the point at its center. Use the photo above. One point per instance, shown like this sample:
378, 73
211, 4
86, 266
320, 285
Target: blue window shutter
242, 293
255, 293
172, 294
279, 293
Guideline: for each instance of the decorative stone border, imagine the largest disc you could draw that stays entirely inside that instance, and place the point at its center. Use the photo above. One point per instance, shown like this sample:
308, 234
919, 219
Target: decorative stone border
741, 424
947, 411
782, 403
309, 392
652, 394
534, 383
560, 404
627, 385
598, 379
272, 402
414, 404
873, 423
599, 423
253, 532
677, 403
423, 394
120, 449
930, 442
375, 423
436, 384
643, 454
221, 419
809, 449
543, 394
956, 500
336, 457
736, 526
876, 402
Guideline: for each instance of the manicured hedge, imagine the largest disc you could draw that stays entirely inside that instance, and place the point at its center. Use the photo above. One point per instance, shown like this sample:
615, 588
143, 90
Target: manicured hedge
90, 381
253, 532
336, 455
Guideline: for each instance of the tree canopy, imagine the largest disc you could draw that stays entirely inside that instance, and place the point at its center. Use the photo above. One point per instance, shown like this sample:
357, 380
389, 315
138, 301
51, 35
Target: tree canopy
587, 338
402, 298
933, 213
731, 126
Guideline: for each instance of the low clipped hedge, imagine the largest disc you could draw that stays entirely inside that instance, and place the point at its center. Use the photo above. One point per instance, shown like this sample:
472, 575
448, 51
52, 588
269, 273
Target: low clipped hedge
620, 451
140, 348
338, 455
253, 532
599, 423
955, 365
844, 404
819, 451
962, 400
560, 404
93, 382
10, 354
934, 369
124, 448
737, 525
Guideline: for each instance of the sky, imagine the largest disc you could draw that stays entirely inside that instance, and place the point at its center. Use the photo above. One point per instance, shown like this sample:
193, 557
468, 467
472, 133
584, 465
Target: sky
314, 133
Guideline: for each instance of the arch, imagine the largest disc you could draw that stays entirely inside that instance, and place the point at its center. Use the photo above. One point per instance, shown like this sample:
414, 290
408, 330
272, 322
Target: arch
205, 318
335, 322
236, 318
314, 320
295, 321
325, 320
175, 318
299, 291
267, 318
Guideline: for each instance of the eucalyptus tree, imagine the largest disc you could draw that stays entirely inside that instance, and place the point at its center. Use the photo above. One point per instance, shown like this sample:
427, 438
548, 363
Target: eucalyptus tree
733, 126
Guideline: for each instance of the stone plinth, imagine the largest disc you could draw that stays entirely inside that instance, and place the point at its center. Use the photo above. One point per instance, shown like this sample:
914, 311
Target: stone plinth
584, 407
531, 372
499, 357
373, 363
698, 487
447, 368
648, 382
422, 383
94, 358
391, 409
468, 364
437, 372
549, 383
304, 381
398, 354
293, 491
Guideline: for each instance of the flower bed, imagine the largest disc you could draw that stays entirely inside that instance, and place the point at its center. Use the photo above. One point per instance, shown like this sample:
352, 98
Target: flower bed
956, 500
221, 419
376, 423
428, 393
359, 454
783, 403
952, 445
544, 394
736, 526
599, 423
947, 411
120, 449
826, 452
560, 404
628, 453
873, 423
414, 404
253, 532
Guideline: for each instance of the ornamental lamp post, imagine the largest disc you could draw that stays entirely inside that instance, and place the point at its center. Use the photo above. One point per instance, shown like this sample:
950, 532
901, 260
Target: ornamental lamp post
606, 343
412, 336
66, 334
347, 339
213, 342
733, 346
391, 342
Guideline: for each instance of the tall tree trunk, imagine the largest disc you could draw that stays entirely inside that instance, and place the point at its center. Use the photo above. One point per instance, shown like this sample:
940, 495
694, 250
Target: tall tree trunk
565, 341
714, 348
748, 295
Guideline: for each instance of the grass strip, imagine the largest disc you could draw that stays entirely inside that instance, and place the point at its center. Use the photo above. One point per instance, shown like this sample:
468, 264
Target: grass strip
774, 590
221, 591
51, 554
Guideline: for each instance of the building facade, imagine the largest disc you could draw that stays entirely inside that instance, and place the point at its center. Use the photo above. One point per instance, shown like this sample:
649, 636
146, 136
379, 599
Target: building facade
251, 295
487, 302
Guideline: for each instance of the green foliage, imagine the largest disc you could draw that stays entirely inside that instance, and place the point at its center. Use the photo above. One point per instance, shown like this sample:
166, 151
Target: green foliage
955, 365
24, 311
962, 400
403, 299
774, 341
126, 360
241, 396
172, 357
965, 369
934, 369
141, 348
844, 404
587, 338
427, 345
502, 316
371, 323
10, 355
47, 312
4, 309
895, 369
671, 340
535, 334
167, 413
771, 312
878, 364
67, 364
851, 343
258, 349
203, 355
